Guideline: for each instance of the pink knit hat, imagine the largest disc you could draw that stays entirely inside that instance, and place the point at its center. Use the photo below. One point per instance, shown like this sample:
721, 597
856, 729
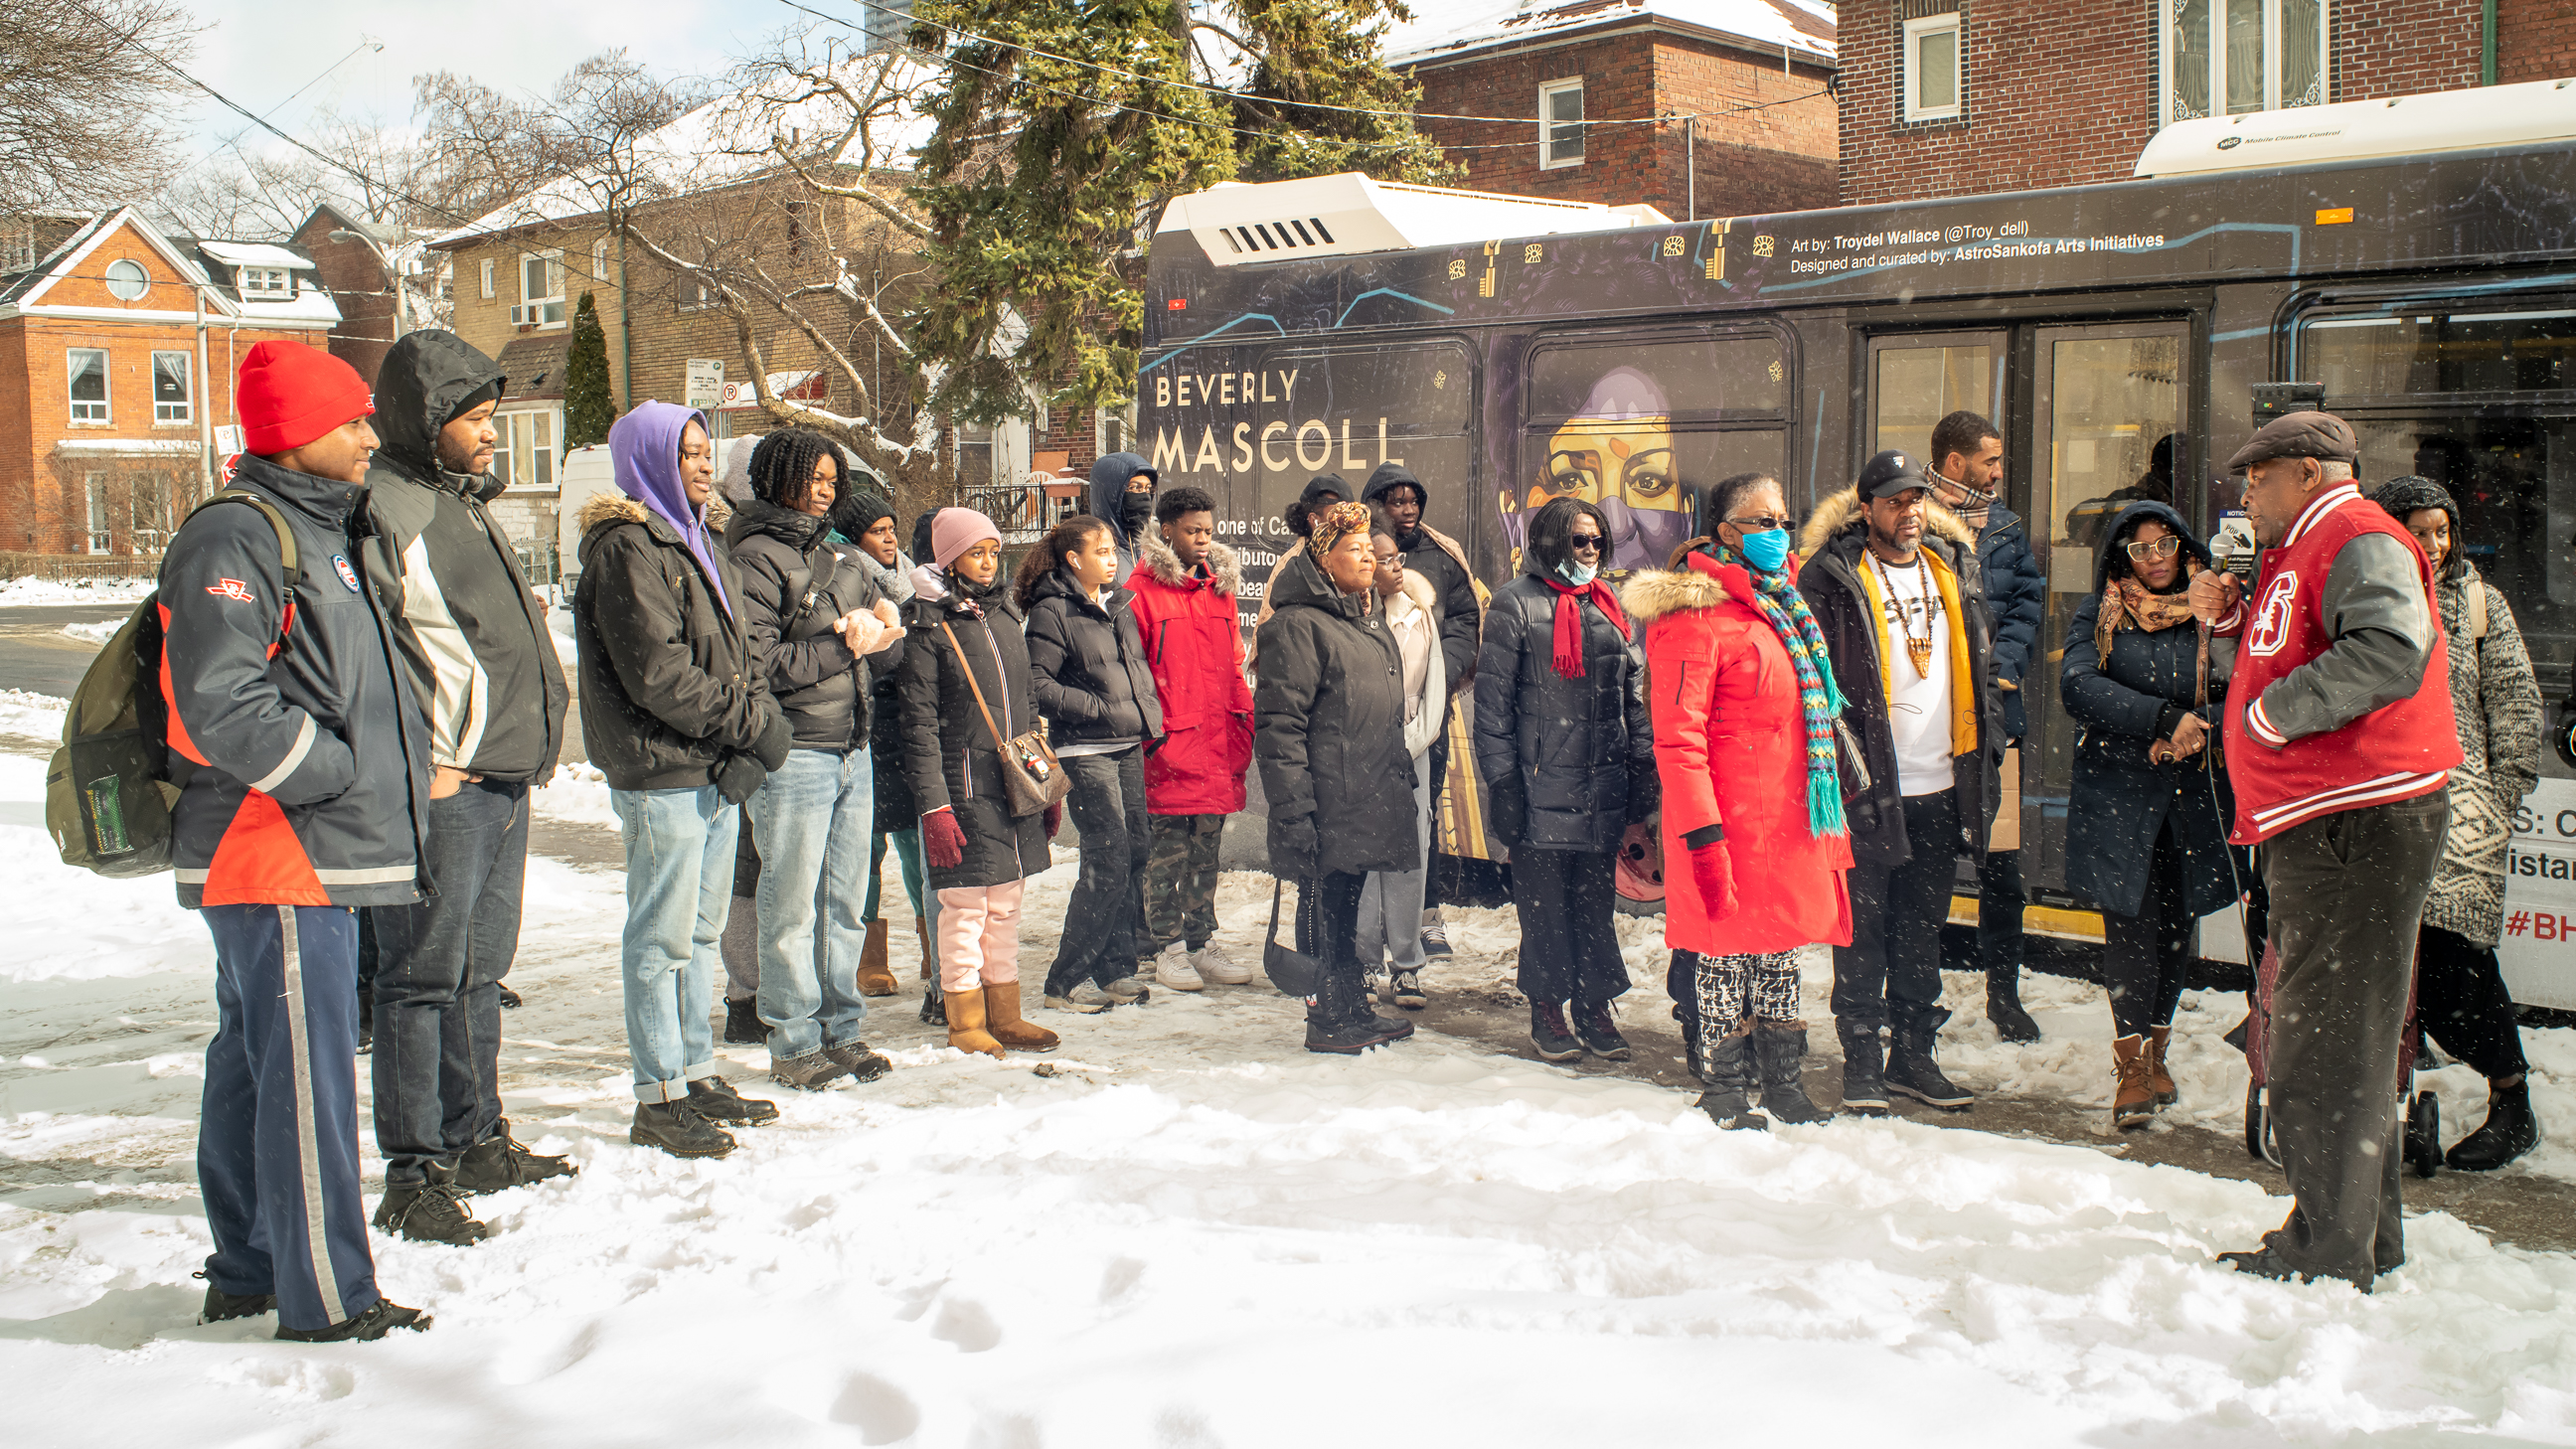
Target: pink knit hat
955, 530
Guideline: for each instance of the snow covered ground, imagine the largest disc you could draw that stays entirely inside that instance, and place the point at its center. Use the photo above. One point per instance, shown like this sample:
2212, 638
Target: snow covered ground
24, 591
1189, 1232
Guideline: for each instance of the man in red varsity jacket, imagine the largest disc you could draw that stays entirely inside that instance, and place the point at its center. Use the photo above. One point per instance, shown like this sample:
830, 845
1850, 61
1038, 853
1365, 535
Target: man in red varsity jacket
2340, 744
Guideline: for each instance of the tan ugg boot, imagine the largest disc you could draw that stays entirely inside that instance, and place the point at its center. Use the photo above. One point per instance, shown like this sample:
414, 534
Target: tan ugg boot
1002, 1015
966, 1024
875, 977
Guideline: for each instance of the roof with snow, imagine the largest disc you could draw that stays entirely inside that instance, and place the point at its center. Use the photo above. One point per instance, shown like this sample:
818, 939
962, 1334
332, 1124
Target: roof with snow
1443, 31
256, 254
733, 139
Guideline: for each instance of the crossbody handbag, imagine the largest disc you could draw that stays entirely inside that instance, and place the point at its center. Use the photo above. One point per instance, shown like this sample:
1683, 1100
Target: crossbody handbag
1289, 969
1032, 777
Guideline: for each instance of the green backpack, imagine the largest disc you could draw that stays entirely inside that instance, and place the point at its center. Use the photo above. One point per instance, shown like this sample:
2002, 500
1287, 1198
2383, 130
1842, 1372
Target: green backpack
110, 788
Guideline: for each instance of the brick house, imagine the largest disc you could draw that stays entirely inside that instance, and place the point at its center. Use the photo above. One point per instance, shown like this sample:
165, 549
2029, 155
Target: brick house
1957, 97
1698, 108
118, 346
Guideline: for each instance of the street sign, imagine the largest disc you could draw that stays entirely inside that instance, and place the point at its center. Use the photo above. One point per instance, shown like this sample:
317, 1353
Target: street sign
706, 382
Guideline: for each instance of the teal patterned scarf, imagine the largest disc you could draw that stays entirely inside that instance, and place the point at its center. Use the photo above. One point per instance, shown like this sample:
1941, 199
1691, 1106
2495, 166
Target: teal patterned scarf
1785, 609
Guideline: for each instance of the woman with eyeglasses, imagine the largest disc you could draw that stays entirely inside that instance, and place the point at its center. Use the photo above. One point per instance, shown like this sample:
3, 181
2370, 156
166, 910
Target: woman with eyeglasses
2146, 835
1567, 757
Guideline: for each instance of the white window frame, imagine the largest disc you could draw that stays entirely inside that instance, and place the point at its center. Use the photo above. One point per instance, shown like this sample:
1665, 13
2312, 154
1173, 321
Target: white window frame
265, 284
1910, 78
165, 414
544, 313
106, 406
102, 534
156, 488
1548, 91
599, 261
505, 453
1121, 421
2272, 53
17, 248
488, 269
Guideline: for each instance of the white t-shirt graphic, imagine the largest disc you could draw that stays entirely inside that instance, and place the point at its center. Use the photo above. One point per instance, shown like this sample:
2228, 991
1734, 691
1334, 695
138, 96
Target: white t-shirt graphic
1918, 709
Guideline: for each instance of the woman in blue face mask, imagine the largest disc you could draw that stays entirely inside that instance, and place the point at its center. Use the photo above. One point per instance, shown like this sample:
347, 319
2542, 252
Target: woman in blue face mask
1567, 759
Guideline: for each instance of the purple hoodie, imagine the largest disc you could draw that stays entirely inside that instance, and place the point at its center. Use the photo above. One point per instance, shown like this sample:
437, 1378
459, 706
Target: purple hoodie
644, 446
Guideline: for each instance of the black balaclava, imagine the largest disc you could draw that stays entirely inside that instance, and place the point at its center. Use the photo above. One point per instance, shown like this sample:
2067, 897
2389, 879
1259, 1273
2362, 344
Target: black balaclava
1136, 512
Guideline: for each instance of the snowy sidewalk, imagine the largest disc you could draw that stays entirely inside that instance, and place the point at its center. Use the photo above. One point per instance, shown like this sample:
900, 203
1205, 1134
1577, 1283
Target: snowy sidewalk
1191, 1233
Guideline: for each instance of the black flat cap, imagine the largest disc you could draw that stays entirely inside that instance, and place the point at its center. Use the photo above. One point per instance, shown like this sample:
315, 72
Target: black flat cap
2322, 436
1889, 474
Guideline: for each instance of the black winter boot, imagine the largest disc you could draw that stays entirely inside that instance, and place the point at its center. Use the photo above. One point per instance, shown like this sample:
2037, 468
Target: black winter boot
1549, 1034
743, 1026
1912, 1072
1732, 1079
1779, 1049
676, 1128
2509, 1132
934, 1007
2003, 1003
1338, 1019
715, 1099
433, 1212
502, 1161
1864, 1068
221, 1305
384, 1317
366, 1022
1599, 1034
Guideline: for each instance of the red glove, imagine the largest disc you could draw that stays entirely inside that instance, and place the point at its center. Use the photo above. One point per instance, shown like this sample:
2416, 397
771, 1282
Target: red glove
1054, 818
943, 840
1714, 874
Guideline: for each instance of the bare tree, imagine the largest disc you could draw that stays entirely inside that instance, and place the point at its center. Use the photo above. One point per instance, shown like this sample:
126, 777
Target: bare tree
80, 87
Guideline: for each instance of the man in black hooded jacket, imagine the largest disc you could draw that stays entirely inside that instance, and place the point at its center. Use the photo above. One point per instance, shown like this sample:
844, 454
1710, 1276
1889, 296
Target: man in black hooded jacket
1122, 496
483, 666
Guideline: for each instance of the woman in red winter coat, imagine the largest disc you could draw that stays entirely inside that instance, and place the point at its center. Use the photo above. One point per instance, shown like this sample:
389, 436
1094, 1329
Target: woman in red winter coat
1755, 844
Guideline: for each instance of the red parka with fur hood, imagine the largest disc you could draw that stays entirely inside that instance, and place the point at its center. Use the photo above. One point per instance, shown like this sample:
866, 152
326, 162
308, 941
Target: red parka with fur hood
1194, 644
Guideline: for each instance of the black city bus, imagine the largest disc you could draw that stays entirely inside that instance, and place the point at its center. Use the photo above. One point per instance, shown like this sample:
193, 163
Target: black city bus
2115, 333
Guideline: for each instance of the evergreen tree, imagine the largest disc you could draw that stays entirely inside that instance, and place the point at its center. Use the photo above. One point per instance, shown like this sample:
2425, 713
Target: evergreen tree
587, 408
1063, 128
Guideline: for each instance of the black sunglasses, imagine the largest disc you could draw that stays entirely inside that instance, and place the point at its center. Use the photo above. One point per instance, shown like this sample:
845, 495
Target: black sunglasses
1585, 543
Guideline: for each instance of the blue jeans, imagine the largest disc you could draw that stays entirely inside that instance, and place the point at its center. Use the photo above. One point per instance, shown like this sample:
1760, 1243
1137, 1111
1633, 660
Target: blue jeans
679, 883
812, 820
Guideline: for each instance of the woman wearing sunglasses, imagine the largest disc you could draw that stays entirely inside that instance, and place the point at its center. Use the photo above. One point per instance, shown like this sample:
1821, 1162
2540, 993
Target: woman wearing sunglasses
2146, 831
1568, 760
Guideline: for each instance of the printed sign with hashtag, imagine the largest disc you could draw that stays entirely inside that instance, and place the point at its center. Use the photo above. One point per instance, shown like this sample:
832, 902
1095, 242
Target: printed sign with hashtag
2538, 948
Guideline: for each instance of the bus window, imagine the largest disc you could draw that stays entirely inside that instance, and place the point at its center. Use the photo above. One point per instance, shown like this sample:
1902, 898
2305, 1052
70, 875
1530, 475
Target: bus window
1914, 382
2442, 352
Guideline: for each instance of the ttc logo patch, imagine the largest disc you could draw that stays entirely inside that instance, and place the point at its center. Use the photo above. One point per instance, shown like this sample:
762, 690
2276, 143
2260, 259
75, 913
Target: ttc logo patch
2272, 617
348, 575
230, 589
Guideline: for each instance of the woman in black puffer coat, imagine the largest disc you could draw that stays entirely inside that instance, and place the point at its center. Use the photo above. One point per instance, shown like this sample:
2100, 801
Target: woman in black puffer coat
1328, 736
1567, 754
1097, 692
2146, 829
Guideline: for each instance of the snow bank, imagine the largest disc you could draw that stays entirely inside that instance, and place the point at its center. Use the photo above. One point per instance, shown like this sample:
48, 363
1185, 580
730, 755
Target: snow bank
88, 591
24, 712
578, 794
98, 633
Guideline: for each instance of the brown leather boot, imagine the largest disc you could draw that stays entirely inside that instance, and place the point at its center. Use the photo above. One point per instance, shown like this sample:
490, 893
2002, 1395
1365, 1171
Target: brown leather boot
1002, 1015
2159, 1079
966, 1024
2133, 1102
875, 977
929, 962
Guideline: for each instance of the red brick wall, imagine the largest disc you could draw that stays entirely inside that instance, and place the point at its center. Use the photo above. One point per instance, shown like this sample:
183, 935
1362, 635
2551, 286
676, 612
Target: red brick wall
2084, 114
355, 276
1775, 158
2535, 40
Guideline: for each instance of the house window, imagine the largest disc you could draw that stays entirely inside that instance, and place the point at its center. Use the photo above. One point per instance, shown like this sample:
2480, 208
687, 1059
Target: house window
127, 281
1560, 123
17, 249
149, 497
487, 277
525, 454
541, 290
170, 394
88, 384
599, 260
267, 284
101, 538
1932, 68
2231, 57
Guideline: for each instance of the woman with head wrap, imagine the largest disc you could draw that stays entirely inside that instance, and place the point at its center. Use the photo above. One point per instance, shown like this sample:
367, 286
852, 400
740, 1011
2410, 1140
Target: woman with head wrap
1328, 735
1567, 756
2460, 997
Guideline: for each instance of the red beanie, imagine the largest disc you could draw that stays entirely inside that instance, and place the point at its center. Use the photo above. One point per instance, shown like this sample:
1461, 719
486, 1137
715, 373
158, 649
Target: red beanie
290, 394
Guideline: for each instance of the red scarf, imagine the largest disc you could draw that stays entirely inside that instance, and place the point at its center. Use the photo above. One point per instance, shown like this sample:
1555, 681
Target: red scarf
1569, 621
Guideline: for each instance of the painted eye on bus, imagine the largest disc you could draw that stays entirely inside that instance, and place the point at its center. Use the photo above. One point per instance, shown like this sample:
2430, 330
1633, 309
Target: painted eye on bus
1649, 473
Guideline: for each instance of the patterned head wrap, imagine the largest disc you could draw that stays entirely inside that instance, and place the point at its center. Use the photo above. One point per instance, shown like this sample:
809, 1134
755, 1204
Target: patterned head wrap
1335, 524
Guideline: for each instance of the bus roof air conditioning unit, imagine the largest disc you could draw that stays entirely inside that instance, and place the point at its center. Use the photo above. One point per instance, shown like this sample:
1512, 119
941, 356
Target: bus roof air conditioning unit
1322, 216
2531, 113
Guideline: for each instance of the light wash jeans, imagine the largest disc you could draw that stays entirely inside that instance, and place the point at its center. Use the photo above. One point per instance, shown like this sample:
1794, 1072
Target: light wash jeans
1391, 901
812, 821
679, 884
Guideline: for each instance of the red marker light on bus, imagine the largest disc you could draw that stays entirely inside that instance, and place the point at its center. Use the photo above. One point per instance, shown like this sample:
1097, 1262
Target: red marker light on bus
1178, 304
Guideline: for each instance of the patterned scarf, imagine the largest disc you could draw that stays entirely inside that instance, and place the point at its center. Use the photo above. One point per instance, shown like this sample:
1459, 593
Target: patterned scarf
2128, 604
1568, 649
1777, 600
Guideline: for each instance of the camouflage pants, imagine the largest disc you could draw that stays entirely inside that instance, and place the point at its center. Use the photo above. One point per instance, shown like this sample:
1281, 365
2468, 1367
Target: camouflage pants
1180, 881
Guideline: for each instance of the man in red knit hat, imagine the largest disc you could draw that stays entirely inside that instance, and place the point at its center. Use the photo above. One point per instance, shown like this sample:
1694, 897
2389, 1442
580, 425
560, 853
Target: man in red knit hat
305, 765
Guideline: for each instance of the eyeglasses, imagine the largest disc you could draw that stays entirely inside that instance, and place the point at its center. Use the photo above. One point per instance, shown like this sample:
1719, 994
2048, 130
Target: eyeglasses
1585, 543
1759, 523
2161, 548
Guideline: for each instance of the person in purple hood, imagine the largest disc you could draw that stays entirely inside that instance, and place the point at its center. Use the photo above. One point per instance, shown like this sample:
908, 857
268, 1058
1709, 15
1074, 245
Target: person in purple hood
684, 727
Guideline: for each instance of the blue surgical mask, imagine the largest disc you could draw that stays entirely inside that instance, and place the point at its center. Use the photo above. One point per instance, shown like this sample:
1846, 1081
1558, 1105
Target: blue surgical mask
1577, 574
1768, 550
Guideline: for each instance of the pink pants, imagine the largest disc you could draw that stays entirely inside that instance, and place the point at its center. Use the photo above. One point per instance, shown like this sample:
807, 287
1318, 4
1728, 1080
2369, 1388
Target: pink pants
979, 936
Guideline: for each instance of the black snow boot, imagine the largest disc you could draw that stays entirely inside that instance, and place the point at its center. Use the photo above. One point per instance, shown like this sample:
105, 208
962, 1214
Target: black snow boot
743, 1026
509, 1002
1732, 1079
366, 1022
934, 1007
221, 1305
1338, 1019
433, 1212
715, 1099
1549, 1034
2509, 1132
1912, 1072
2003, 1003
676, 1128
1598, 1033
1864, 1068
367, 1327
1779, 1049
502, 1161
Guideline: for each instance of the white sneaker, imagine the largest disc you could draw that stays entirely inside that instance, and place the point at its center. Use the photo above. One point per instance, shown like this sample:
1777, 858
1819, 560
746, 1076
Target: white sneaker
1172, 969
1127, 989
1215, 966
1084, 997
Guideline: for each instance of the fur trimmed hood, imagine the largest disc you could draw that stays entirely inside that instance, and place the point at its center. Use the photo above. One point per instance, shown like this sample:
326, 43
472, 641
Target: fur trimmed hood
605, 507
1418, 592
1842, 511
1651, 594
1154, 556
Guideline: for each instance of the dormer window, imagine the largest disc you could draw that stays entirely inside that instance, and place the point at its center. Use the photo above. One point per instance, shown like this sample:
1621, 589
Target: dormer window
267, 284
